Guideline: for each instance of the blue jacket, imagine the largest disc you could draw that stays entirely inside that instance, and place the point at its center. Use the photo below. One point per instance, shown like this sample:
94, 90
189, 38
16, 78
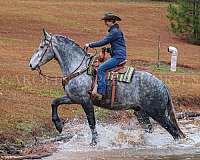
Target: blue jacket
116, 39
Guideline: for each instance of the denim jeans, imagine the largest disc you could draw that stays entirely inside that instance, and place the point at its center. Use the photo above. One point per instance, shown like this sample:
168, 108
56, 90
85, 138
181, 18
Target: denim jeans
108, 64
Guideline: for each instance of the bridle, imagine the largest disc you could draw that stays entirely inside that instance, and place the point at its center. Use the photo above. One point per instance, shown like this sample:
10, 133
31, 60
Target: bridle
65, 79
43, 54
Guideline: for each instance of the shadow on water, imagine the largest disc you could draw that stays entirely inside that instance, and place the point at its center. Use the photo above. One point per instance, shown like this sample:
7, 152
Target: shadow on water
128, 141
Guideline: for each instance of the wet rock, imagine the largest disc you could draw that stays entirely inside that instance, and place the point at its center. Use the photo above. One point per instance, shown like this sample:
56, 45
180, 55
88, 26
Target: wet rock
185, 115
12, 150
6, 149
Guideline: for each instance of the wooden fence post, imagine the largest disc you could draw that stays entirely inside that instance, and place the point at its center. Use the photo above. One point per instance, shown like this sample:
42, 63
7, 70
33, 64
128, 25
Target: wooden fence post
158, 53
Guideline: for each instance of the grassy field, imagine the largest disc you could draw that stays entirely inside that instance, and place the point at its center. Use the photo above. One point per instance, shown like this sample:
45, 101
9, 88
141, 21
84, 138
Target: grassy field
25, 98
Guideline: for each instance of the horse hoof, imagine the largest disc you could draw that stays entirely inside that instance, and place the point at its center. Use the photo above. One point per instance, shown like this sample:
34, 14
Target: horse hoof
59, 125
94, 138
93, 143
59, 129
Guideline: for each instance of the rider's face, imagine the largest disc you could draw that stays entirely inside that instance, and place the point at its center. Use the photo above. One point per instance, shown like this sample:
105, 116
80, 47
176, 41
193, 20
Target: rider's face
108, 23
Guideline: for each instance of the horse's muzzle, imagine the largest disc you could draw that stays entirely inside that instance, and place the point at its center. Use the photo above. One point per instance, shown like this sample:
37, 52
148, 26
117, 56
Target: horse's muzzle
32, 68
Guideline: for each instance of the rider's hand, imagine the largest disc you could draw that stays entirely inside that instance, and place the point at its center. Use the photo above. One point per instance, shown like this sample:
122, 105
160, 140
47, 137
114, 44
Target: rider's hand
87, 45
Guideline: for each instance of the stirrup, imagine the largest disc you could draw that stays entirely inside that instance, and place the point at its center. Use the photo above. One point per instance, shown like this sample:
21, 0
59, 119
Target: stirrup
96, 94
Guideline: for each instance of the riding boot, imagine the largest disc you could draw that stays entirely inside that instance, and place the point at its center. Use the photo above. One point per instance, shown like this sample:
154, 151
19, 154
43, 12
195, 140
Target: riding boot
96, 94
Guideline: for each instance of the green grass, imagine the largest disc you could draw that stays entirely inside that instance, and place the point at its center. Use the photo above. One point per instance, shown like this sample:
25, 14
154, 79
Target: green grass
54, 93
166, 68
101, 114
26, 127
19, 142
78, 111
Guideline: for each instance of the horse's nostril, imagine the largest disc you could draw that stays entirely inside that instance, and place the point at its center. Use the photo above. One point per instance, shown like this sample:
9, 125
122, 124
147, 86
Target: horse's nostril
30, 65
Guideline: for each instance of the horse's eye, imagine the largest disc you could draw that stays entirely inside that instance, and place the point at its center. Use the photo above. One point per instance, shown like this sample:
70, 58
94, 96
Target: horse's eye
41, 47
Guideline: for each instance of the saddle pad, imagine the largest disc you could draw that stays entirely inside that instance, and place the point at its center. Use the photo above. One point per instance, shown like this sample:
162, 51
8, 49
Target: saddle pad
123, 77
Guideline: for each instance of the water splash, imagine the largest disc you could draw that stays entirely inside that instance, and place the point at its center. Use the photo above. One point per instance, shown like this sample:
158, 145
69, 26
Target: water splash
122, 136
110, 136
128, 141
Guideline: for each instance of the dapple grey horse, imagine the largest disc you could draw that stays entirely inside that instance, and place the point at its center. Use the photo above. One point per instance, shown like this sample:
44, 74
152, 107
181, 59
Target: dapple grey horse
146, 94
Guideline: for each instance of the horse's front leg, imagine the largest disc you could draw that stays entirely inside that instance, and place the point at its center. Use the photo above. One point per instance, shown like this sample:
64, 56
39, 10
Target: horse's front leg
55, 117
89, 111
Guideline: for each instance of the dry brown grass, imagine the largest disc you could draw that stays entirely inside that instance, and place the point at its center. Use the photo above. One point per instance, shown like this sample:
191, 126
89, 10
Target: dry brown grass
21, 24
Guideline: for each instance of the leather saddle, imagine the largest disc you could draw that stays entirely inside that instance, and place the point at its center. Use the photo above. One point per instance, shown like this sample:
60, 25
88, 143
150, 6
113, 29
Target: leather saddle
119, 69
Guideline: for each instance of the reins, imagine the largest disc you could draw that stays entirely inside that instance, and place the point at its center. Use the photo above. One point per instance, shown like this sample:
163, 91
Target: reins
48, 77
67, 78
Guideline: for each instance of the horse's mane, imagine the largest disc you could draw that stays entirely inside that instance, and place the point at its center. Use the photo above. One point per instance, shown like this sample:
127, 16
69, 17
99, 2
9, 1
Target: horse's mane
69, 40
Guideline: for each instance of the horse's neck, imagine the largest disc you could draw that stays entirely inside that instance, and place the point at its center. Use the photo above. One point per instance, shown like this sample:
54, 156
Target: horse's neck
70, 59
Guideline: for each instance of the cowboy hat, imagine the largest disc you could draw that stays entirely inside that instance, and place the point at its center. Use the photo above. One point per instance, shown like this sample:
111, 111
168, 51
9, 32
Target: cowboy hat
111, 16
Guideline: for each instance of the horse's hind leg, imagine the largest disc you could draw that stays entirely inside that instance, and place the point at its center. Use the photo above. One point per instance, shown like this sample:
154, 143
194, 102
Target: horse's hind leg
55, 117
144, 121
168, 125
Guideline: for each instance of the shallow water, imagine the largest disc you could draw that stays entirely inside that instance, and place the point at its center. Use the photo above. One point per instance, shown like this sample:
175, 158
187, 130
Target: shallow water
128, 141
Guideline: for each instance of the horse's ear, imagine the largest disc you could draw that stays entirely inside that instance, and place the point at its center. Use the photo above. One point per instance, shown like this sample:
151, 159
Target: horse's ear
46, 34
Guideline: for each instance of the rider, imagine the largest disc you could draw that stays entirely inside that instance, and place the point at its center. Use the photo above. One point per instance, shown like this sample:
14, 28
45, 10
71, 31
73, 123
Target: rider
117, 51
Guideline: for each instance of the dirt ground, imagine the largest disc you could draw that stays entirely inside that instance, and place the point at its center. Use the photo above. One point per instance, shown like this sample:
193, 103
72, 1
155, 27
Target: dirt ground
25, 98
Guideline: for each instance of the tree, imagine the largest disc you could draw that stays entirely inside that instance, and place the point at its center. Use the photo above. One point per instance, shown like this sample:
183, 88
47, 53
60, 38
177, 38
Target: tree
184, 16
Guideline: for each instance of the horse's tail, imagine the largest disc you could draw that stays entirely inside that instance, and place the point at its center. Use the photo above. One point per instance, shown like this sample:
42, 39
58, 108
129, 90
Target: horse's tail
171, 113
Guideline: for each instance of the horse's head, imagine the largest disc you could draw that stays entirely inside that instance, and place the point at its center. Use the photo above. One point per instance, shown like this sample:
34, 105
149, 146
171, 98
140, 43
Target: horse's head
44, 53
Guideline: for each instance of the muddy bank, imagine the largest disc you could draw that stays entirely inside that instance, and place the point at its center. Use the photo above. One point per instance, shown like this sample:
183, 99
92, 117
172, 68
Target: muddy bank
37, 150
41, 147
